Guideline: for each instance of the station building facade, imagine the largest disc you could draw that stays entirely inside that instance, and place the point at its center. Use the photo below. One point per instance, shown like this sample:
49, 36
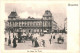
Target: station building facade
15, 24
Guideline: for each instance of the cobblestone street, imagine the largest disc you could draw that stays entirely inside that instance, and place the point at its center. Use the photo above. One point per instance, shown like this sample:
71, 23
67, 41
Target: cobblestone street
46, 37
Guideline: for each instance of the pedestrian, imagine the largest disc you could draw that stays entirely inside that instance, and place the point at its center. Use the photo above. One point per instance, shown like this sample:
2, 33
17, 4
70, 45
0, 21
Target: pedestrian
36, 43
32, 42
54, 37
31, 37
43, 42
14, 42
20, 39
50, 40
27, 36
62, 39
9, 42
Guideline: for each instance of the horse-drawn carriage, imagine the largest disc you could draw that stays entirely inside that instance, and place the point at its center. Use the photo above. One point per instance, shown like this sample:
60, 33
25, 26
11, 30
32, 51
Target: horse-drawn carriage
60, 40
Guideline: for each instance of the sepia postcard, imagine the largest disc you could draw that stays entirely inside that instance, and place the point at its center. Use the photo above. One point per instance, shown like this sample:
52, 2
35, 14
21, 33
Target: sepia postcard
39, 26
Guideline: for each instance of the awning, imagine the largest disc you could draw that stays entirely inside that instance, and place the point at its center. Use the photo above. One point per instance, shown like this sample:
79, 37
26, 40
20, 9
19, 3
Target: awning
45, 31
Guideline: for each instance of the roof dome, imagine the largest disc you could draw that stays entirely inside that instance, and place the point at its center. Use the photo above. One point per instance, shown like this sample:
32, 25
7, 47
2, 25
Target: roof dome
13, 14
47, 14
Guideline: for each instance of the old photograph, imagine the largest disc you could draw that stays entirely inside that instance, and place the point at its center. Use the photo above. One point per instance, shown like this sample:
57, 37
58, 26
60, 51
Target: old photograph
36, 25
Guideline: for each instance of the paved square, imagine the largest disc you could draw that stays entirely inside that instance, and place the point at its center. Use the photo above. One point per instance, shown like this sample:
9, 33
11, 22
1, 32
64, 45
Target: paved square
46, 37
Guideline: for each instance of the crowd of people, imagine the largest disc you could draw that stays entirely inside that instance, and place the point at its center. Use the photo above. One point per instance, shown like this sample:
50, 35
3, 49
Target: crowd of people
35, 42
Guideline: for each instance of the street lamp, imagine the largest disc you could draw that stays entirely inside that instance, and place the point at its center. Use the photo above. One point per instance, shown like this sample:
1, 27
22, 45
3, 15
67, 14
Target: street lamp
19, 35
12, 29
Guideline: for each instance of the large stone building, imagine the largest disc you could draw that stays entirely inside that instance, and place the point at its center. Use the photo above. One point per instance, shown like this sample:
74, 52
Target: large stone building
15, 24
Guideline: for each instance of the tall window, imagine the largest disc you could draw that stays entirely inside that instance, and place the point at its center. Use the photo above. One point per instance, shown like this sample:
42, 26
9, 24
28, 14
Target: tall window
29, 23
35, 24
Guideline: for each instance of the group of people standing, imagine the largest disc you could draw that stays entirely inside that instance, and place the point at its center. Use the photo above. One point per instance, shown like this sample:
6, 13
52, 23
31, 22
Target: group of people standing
14, 42
36, 43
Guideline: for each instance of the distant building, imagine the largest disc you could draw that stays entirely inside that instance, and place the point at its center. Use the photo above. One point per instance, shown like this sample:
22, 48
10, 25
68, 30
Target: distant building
65, 24
30, 24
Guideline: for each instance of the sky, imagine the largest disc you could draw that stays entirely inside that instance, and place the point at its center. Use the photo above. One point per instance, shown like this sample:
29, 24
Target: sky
37, 9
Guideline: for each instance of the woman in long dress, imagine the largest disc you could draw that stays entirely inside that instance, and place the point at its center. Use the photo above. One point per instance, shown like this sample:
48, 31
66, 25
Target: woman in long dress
14, 43
36, 43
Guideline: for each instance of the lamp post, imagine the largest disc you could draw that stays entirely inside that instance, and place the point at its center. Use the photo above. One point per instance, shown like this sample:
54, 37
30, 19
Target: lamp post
19, 35
9, 40
12, 29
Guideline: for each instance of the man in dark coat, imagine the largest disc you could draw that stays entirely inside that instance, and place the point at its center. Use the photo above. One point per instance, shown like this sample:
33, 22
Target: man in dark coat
14, 42
50, 40
9, 42
54, 37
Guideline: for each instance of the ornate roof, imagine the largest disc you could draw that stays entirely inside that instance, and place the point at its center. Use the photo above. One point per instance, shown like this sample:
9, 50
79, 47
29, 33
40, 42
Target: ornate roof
47, 14
31, 18
13, 14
